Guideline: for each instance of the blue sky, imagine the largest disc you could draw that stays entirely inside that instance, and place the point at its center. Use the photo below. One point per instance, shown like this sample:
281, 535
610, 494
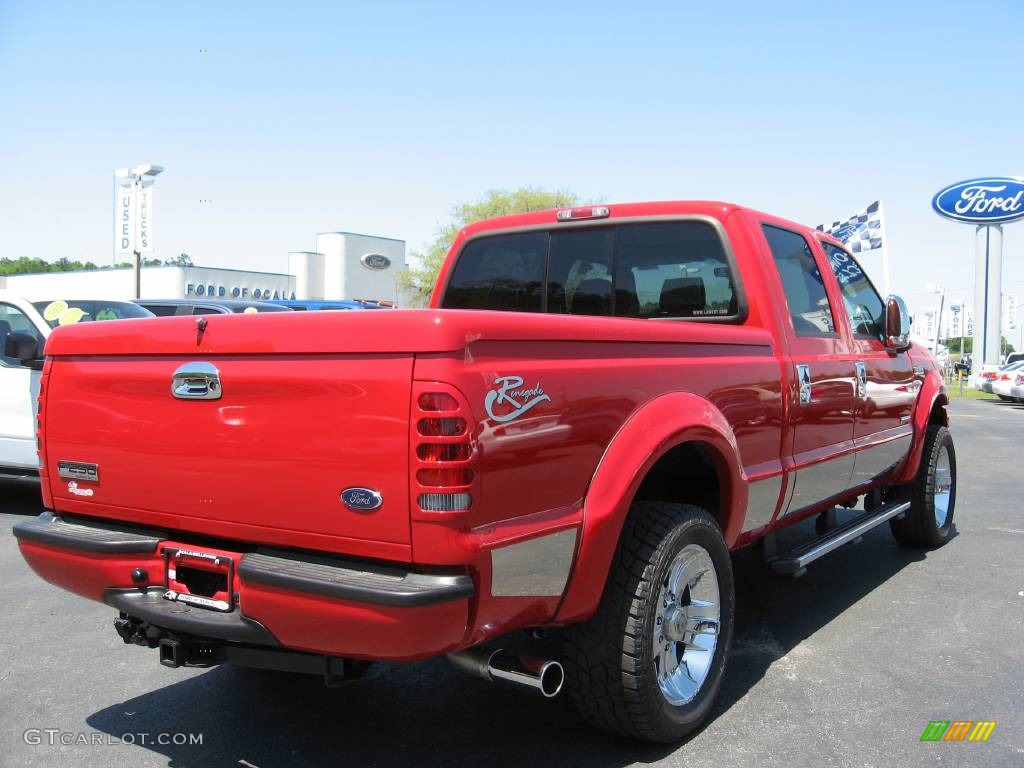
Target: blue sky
378, 117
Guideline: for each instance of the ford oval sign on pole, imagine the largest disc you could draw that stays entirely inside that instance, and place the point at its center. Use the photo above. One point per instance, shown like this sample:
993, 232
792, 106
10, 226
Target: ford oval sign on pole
993, 200
988, 203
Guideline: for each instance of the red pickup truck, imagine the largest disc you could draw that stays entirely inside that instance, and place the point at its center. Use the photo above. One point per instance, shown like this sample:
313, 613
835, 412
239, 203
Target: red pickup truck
541, 476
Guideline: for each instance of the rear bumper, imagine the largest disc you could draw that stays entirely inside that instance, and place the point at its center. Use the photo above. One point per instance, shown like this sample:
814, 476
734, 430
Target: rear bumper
322, 605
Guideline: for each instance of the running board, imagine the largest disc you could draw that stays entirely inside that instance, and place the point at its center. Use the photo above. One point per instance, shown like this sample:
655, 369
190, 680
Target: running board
796, 560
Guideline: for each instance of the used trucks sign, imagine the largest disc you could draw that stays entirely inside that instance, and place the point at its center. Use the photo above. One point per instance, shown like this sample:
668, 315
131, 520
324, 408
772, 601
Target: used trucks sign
133, 218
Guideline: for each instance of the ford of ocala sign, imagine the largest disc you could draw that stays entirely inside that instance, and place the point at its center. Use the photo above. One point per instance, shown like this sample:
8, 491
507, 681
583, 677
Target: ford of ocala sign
992, 200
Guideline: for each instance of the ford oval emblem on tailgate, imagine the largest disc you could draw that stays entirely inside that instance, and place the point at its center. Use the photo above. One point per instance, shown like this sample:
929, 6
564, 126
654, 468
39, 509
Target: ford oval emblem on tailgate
361, 499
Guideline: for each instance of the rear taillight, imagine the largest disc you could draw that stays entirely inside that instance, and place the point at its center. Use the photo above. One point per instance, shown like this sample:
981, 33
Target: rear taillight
437, 401
989, 375
441, 427
443, 457
1019, 380
1005, 377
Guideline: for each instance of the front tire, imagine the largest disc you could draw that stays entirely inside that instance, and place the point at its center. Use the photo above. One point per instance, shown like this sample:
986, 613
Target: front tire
929, 521
649, 663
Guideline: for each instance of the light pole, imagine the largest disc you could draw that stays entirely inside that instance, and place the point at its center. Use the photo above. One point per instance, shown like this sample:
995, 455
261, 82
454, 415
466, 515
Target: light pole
130, 218
938, 318
955, 309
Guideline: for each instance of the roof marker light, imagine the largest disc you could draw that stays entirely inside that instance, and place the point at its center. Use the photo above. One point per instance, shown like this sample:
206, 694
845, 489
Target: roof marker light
585, 212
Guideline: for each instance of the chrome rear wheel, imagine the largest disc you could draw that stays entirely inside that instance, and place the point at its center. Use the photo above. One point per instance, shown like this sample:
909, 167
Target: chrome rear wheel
687, 625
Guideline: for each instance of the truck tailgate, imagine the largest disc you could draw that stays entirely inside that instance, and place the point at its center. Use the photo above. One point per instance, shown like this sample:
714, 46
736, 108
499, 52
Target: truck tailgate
287, 435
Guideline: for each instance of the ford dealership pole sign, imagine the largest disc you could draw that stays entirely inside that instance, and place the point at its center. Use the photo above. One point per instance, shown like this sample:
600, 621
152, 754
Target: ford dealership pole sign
987, 203
990, 200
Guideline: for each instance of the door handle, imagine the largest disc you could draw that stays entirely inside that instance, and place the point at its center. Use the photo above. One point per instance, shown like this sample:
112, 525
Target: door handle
862, 380
803, 376
196, 381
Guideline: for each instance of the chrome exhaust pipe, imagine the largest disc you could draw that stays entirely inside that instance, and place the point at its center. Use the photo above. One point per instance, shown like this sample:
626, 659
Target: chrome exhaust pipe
496, 665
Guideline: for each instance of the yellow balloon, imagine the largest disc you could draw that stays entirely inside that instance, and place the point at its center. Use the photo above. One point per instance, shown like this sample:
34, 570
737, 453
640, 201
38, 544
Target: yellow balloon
54, 310
70, 316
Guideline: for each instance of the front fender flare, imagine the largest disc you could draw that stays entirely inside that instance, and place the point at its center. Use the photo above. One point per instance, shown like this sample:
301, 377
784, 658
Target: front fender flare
933, 390
649, 433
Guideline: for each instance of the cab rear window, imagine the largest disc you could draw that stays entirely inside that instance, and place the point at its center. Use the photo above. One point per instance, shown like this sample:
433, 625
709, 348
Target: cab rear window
672, 270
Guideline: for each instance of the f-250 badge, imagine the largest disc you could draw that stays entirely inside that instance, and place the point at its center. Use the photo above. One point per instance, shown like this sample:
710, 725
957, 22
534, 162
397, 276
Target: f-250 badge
507, 394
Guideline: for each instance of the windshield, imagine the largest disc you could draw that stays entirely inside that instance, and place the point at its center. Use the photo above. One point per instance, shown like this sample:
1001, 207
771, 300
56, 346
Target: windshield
71, 311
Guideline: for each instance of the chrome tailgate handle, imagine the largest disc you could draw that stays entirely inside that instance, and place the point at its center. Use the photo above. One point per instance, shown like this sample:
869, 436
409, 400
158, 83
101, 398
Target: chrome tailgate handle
196, 381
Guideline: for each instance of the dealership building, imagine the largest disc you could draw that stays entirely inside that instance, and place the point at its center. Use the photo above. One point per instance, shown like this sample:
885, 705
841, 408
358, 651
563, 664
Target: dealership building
345, 265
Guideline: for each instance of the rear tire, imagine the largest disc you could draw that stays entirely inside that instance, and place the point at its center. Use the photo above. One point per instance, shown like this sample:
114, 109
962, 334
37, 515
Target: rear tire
929, 521
649, 663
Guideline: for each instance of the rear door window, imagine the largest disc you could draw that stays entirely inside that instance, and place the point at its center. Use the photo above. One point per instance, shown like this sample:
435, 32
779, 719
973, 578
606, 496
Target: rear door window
802, 282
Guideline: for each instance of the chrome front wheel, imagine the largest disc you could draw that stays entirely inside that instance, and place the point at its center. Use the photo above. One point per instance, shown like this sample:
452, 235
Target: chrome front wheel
929, 521
943, 491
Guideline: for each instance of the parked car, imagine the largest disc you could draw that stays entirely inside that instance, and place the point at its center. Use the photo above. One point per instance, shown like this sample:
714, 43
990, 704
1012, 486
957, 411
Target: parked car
1017, 390
24, 328
982, 380
176, 307
1014, 357
312, 305
541, 476
1005, 380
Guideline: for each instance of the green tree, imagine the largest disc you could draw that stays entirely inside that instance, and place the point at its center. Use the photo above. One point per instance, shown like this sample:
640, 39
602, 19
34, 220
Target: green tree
419, 281
181, 260
23, 266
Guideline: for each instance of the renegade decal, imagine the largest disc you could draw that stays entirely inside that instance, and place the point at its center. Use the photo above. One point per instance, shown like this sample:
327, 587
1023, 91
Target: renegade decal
74, 489
508, 394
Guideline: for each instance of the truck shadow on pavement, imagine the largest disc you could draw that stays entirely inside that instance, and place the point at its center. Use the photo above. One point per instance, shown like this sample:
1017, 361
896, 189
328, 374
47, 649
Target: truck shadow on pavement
428, 714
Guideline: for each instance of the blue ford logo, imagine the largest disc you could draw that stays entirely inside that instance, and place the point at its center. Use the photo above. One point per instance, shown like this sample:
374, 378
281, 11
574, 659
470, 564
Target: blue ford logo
991, 200
361, 499
376, 261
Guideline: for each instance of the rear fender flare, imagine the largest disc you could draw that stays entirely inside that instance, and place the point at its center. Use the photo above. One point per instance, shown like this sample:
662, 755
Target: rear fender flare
652, 430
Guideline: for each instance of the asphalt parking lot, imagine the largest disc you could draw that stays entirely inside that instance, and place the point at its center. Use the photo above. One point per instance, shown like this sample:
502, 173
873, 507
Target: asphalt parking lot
843, 667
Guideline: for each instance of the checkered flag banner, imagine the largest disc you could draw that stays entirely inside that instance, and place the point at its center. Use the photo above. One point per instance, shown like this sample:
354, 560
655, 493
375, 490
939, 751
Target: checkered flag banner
862, 232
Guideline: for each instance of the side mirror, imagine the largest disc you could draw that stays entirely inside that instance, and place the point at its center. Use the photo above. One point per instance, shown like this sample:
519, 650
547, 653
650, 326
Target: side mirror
23, 347
897, 324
